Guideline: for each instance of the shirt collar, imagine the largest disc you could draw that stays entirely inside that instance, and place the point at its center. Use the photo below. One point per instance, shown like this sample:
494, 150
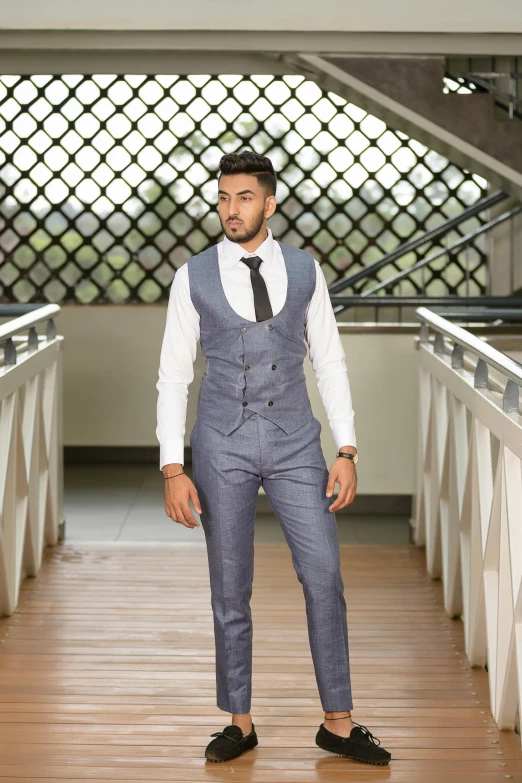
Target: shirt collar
233, 252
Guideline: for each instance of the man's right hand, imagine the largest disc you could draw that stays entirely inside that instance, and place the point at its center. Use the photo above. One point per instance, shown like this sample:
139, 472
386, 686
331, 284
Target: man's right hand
178, 492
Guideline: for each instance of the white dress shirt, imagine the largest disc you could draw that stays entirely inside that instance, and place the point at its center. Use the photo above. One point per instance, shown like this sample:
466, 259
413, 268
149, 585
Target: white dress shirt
178, 351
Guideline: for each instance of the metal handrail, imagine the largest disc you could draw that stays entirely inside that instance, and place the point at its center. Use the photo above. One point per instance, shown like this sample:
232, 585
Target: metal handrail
495, 315
24, 322
416, 300
482, 80
16, 309
451, 249
486, 203
465, 339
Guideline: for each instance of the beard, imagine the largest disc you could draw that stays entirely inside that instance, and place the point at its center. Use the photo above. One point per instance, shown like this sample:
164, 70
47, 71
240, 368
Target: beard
244, 233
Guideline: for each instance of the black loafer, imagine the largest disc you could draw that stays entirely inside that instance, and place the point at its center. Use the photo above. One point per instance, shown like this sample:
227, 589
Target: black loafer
361, 745
229, 743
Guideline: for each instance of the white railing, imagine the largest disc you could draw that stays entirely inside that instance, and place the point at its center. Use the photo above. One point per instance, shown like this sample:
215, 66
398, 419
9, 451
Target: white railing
31, 463
468, 504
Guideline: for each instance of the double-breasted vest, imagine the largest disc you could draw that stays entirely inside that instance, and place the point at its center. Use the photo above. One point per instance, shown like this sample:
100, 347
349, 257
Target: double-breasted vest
252, 366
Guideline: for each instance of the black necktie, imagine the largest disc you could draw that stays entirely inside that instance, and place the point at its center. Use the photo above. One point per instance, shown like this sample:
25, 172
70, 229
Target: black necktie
261, 301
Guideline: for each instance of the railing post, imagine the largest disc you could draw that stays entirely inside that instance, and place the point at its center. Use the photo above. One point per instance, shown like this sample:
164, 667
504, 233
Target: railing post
50, 331
32, 340
480, 380
511, 400
9, 352
457, 357
438, 345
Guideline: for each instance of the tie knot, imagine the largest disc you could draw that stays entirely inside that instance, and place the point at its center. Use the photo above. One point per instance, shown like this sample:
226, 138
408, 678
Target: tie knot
254, 262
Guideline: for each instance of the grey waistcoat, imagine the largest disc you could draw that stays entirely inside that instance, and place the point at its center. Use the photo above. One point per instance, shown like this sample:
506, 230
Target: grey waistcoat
252, 367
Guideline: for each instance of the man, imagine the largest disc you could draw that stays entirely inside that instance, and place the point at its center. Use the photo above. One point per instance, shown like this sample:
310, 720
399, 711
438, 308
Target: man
254, 303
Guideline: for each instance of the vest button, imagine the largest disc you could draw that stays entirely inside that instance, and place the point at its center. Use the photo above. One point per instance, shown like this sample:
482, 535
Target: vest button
274, 366
270, 403
270, 326
247, 367
243, 328
245, 403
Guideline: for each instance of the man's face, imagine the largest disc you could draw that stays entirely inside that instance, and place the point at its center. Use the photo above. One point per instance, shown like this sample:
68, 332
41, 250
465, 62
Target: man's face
243, 206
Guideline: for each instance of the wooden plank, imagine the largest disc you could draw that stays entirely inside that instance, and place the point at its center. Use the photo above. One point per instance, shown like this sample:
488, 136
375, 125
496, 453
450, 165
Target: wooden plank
107, 673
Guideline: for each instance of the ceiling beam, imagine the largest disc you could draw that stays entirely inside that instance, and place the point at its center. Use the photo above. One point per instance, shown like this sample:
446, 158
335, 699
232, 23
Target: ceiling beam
273, 41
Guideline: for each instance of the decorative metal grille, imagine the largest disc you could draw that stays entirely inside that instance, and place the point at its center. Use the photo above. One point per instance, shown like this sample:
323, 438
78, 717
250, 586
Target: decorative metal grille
108, 185
455, 83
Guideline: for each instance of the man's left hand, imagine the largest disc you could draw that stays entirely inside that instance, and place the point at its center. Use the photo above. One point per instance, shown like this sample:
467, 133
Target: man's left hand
343, 472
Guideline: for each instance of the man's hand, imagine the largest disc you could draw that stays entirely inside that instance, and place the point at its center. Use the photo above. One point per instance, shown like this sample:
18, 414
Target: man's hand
344, 473
178, 492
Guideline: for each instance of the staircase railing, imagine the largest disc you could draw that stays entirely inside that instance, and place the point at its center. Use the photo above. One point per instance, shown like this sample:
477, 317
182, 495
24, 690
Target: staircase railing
494, 316
31, 445
507, 96
413, 244
468, 502
379, 296
369, 296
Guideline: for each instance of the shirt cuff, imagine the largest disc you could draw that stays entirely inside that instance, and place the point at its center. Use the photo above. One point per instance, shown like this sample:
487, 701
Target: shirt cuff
172, 451
343, 433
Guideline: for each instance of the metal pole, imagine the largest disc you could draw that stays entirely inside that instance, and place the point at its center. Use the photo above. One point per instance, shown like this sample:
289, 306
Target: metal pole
466, 256
512, 255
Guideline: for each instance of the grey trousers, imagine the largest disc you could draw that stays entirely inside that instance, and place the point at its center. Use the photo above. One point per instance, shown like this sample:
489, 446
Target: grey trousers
227, 472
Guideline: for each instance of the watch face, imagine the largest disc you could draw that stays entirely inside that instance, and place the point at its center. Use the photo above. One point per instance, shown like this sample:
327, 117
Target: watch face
355, 459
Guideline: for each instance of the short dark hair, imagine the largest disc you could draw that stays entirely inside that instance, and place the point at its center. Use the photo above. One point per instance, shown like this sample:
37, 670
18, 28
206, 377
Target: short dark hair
248, 162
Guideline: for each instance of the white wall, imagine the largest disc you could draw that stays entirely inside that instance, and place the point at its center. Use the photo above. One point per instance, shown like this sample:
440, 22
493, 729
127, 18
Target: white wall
453, 16
111, 356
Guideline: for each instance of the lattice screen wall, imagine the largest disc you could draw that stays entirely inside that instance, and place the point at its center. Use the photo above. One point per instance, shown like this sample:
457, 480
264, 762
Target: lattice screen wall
108, 184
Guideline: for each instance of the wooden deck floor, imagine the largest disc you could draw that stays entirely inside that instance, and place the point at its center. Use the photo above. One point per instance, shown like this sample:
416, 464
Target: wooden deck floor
107, 673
